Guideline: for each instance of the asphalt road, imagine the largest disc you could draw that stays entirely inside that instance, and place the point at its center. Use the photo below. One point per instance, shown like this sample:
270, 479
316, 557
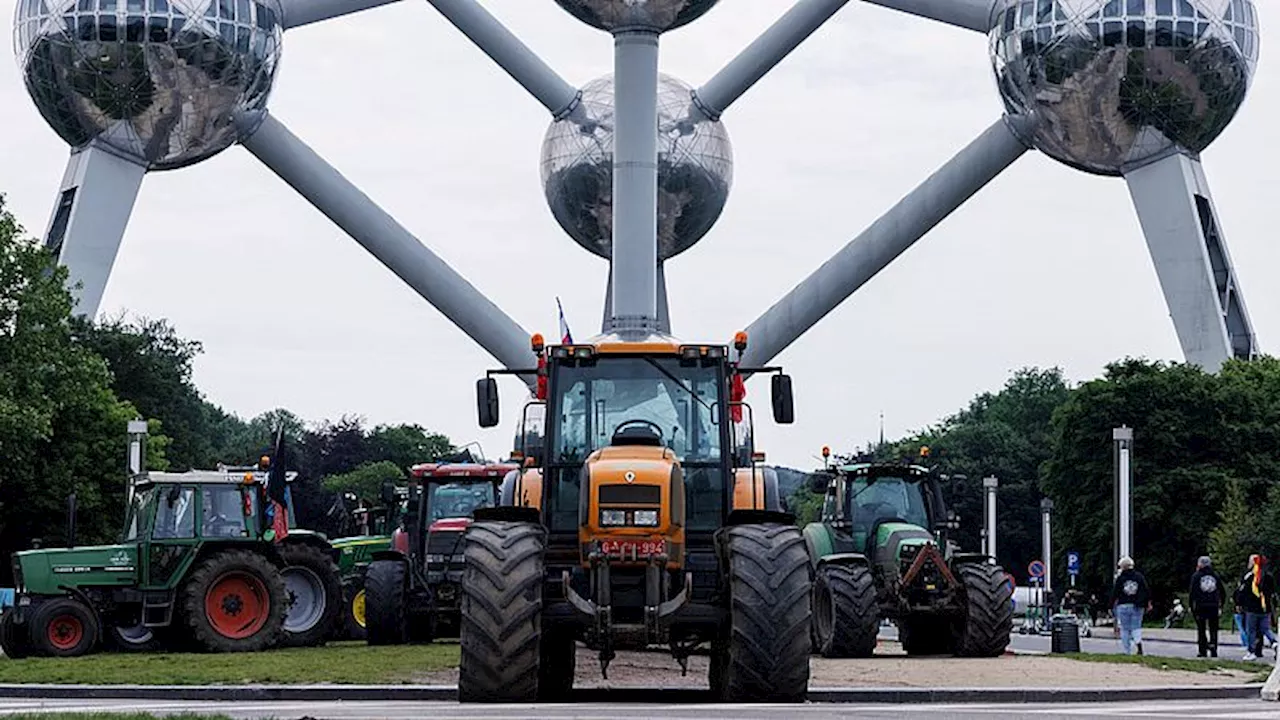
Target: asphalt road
1216, 709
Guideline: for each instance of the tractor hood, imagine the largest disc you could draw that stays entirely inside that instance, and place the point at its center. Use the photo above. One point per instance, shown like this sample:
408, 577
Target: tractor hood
43, 571
628, 463
893, 537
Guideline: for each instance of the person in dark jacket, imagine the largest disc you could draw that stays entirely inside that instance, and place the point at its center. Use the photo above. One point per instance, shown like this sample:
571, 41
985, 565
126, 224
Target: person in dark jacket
1256, 596
1207, 597
1130, 598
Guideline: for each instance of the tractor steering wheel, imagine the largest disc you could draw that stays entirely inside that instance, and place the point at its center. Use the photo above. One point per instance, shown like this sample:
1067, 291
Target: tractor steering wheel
655, 426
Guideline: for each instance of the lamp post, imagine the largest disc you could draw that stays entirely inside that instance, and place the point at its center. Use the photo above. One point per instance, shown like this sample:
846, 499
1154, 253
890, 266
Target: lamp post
1122, 439
989, 485
1046, 546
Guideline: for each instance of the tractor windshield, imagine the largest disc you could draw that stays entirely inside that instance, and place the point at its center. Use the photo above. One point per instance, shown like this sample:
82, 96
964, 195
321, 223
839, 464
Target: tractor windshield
594, 400
887, 498
458, 500
136, 519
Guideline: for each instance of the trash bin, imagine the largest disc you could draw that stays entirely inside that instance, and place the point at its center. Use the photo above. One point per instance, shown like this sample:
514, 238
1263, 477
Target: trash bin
1065, 635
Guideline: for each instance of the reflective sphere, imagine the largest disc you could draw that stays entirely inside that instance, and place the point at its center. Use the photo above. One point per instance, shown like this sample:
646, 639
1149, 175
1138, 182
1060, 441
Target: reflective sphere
658, 15
159, 81
1110, 83
695, 169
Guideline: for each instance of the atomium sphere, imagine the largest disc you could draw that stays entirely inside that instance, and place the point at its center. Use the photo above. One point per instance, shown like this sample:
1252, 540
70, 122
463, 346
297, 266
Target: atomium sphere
695, 169
158, 81
1113, 83
655, 15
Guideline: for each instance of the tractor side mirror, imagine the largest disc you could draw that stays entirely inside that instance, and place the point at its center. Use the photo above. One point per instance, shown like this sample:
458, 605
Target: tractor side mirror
388, 492
784, 411
487, 402
819, 482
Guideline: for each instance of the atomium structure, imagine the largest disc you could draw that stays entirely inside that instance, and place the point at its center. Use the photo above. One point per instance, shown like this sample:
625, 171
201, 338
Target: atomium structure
637, 166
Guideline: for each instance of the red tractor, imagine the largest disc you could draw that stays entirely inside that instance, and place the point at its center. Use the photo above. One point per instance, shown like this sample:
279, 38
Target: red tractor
412, 589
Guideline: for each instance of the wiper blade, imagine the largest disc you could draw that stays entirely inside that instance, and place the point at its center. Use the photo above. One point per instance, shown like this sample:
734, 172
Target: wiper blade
679, 382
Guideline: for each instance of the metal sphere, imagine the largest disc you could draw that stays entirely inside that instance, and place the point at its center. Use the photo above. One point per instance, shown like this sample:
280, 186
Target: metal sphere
158, 81
655, 15
695, 169
1111, 84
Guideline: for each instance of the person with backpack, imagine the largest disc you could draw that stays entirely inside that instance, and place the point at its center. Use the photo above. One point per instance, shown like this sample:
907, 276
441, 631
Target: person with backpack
1256, 597
1207, 597
1130, 598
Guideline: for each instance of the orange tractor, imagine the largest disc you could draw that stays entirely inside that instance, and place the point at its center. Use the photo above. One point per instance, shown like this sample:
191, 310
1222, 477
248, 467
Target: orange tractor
640, 518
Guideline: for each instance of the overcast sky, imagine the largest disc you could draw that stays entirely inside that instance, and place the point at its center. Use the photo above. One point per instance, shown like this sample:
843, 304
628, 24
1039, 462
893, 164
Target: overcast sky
1047, 266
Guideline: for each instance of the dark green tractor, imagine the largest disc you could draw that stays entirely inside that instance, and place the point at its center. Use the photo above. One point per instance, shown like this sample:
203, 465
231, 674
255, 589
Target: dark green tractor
881, 551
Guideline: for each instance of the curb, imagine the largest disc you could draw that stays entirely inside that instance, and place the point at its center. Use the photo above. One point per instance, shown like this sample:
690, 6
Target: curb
445, 693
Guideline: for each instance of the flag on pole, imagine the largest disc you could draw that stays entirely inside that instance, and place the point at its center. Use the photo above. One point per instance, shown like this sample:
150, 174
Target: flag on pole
566, 337
276, 488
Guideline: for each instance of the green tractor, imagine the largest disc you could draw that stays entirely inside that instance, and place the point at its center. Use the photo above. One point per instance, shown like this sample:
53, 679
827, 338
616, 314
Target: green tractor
199, 565
376, 524
880, 551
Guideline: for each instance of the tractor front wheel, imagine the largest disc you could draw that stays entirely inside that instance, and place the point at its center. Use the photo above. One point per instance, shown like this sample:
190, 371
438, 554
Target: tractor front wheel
845, 616
356, 613
63, 627
314, 590
984, 628
234, 601
763, 655
386, 592
501, 631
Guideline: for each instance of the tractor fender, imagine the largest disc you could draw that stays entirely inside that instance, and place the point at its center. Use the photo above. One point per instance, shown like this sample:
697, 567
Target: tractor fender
845, 559
970, 558
387, 555
315, 540
266, 549
818, 541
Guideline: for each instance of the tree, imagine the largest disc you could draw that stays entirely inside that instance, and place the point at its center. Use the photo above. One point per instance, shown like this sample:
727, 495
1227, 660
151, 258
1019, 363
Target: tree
406, 445
365, 481
62, 429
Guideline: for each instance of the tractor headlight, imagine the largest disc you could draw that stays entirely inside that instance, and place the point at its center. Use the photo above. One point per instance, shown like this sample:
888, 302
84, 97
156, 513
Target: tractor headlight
613, 517
646, 518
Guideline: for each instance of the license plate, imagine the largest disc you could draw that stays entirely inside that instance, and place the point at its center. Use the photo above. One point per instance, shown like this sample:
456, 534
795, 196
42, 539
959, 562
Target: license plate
640, 549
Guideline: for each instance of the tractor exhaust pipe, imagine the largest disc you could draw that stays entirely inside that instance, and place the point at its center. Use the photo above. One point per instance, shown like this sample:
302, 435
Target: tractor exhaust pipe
71, 520
136, 463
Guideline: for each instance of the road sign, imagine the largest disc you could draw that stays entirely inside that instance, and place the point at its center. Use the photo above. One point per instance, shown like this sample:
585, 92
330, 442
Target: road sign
1073, 562
1036, 569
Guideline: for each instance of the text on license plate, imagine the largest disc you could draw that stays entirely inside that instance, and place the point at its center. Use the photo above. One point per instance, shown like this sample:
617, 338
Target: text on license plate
636, 548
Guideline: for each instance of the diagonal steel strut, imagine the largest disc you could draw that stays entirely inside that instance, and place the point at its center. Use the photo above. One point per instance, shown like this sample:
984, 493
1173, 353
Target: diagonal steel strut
387, 240
969, 14
872, 251
304, 12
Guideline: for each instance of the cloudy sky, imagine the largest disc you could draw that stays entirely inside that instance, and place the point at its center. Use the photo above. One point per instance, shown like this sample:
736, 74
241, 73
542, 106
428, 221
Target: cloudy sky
1045, 267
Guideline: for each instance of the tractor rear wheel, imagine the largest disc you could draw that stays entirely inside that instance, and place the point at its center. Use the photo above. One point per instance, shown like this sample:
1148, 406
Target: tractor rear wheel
386, 593
234, 601
765, 649
984, 628
63, 627
314, 591
15, 641
925, 635
846, 619
501, 632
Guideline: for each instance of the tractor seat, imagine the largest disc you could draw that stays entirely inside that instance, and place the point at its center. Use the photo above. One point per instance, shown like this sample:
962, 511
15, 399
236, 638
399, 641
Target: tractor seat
636, 435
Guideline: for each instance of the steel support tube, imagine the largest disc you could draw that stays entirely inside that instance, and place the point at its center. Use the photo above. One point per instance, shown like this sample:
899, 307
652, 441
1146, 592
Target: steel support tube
758, 58
869, 253
512, 55
635, 181
970, 14
304, 12
387, 240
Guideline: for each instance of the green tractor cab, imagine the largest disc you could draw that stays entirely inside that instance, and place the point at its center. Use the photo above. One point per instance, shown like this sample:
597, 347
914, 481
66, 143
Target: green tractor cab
881, 551
198, 565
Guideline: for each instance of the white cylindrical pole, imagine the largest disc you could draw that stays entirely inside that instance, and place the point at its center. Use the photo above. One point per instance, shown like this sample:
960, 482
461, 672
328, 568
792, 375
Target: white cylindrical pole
989, 485
1123, 440
1046, 544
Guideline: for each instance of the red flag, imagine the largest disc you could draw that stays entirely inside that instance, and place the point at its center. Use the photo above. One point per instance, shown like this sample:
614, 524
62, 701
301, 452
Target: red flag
737, 392
280, 523
542, 377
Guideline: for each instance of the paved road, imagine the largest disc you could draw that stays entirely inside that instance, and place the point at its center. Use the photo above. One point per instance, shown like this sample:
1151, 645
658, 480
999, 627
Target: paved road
1216, 709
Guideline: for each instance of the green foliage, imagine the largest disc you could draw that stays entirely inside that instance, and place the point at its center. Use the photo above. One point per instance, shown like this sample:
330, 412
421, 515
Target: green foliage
341, 662
61, 426
1237, 531
365, 481
806, 505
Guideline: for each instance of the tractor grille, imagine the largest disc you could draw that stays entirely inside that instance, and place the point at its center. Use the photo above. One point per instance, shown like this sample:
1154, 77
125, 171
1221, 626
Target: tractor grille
444, 548
630, 494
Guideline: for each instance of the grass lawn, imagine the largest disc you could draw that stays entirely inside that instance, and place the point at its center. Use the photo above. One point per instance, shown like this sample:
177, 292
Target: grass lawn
1173, 663
342, 663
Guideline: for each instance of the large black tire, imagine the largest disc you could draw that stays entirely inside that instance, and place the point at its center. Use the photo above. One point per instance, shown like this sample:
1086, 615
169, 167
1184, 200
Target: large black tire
501, 633
926, 635
124, 632
314, 591
557, 664
846, 618
227, 583
984, 629
63, 627
15, 642
764, 652
355, 608
386, 598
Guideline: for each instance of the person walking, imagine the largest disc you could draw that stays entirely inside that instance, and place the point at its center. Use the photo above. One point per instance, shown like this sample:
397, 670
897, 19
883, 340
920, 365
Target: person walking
1207, 597
1130, 598
1255, 596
